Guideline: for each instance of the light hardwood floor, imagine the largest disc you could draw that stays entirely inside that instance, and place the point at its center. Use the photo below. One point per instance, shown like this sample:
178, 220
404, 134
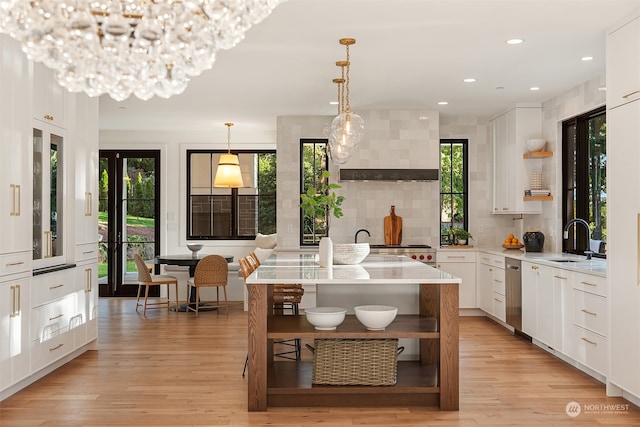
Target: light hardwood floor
173, 369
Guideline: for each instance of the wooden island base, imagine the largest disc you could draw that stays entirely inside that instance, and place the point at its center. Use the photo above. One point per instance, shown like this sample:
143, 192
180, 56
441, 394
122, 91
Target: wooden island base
433, 380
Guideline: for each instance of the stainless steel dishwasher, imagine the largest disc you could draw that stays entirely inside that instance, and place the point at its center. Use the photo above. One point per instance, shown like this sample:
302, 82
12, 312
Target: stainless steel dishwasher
513, 293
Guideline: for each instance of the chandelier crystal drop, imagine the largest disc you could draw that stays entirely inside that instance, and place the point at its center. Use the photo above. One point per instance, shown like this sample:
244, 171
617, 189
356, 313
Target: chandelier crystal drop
124, 47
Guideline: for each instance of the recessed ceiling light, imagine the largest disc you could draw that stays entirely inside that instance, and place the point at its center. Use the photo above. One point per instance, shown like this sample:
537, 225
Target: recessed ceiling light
534, 88
470, 80
587, 58
515, 41
443, 103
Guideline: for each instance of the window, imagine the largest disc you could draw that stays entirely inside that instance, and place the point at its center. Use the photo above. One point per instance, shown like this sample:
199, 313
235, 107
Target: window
454, 197
584, 182
231, 213
313, 162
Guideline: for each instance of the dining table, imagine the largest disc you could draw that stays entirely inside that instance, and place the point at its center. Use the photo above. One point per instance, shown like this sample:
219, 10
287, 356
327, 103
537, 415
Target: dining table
190, 261
431, 379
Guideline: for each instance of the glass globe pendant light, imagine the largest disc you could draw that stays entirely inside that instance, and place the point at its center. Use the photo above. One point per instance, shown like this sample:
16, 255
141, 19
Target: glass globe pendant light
228, 173
347, 127
339, 152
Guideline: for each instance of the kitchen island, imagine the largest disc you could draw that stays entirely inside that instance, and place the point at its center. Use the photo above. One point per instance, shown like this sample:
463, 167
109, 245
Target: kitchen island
432, 380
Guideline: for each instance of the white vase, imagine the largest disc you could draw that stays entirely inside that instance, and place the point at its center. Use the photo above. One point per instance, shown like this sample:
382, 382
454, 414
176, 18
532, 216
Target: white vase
326, 252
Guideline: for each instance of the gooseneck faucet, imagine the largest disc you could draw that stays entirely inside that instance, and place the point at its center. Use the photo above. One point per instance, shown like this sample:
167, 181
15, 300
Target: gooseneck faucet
355, 239
588, 252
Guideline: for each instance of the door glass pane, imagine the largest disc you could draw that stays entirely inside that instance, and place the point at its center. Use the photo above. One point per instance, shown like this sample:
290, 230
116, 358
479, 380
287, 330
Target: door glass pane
56, 190
597, 180
103, 220
37, 194
138, 234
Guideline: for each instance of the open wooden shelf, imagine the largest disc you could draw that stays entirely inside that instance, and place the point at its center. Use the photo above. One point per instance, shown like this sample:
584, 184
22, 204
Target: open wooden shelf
290, 384
537, 154
404, 326
537, 198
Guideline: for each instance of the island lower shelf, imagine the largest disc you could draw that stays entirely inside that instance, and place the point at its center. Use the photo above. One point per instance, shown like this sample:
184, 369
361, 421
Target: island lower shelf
290, 384
404, 326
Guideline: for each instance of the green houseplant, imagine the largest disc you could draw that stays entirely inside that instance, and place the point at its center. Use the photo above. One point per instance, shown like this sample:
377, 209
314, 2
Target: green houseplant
459, 236
322, 201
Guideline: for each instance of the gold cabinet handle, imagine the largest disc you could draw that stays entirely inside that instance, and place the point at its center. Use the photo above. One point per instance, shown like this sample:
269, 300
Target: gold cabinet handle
48, 236
56, 347
630, 94
13, 301
19, 211
589, 284
87, 272
588, 341
590, 313
13, 200
48, 117
560, 277
55, 287
56, 317
89, 202
13, 264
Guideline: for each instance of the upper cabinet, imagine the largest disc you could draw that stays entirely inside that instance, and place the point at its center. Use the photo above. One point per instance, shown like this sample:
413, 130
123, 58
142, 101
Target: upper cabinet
49, 98
84, 137
623, 64
511, 172
15, 145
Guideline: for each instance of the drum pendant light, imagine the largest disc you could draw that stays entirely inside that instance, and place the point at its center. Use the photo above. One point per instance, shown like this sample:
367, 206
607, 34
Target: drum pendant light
228, 174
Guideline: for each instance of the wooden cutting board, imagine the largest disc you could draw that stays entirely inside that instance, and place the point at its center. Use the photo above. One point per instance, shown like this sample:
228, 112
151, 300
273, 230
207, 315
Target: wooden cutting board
392, 228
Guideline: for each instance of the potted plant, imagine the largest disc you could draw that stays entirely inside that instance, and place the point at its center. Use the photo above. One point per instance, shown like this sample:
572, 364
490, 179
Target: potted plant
323, 201
459, 236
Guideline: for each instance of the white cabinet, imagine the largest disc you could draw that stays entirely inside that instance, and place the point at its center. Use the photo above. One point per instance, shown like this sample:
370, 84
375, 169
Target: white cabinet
530, 298
53, 306
623, 222
550, 326
84, 323
623, 64
510, 132
14, 330
15, 172
587, 322
84, 138
49, 187
49, 98
491, 285
460, 263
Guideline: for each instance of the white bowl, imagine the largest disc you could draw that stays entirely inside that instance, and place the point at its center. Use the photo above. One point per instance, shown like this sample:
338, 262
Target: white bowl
325, 318
194, 248
376, 317
350, 253
535, 144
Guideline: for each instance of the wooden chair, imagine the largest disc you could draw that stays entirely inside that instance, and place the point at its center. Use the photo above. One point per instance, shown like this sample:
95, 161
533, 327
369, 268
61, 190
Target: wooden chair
146, 279
285, 296
211, 271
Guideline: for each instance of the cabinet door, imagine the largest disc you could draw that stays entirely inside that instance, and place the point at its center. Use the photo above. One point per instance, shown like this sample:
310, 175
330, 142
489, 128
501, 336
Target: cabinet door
15, 144
549, 308
14, 331
501, 166
49, 98
623, 199
85, 143
485, 288
467, 289
84, 323
49, 201
530, 299
623, 64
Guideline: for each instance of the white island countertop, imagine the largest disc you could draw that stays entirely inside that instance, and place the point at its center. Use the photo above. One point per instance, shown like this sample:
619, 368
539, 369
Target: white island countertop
303, 268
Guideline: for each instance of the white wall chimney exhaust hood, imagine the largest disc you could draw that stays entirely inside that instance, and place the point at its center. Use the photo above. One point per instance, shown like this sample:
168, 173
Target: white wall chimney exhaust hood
389, 175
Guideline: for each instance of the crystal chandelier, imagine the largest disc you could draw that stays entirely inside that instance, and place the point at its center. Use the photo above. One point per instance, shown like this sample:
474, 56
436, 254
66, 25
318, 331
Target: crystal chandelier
228, 174
347, 128
120, 47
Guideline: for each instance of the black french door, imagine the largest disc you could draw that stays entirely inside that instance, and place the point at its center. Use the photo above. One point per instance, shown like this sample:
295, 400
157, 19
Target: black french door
129, 220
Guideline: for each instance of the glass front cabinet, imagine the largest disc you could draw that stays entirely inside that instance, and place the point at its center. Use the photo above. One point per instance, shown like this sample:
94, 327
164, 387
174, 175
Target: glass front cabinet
48, 195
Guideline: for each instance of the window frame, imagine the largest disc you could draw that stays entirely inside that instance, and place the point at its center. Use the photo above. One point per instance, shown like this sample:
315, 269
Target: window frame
444, 240
235, 196
315, 141
578, 191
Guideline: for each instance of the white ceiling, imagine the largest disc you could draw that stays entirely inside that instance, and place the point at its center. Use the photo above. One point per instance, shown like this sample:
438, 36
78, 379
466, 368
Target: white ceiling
408, 55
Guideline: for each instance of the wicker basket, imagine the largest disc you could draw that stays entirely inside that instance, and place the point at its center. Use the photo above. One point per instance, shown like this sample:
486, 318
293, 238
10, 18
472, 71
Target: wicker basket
355, 361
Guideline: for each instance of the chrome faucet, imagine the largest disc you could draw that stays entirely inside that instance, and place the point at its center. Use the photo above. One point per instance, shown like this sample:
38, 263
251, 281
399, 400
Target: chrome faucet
587, 252
355, 239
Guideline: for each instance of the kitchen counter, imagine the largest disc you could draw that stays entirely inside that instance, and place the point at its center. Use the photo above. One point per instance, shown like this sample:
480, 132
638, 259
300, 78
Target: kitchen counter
595, 266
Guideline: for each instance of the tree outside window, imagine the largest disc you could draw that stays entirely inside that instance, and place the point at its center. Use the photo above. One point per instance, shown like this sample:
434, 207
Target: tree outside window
313, 162
454, 199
